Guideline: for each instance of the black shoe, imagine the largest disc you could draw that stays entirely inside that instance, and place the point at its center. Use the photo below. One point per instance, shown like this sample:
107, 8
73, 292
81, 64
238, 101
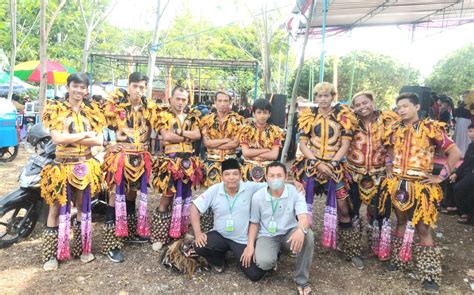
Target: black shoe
138, 240
391, 267
430, 287
115, 255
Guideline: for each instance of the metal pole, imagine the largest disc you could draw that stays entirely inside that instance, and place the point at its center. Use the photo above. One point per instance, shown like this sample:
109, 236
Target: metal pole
90, 73
313, 74
309, 82
352, 77
321, 59
256, 82
286, 65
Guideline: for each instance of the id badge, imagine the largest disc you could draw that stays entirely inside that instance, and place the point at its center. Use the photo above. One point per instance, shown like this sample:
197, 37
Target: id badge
272, 227
229, 225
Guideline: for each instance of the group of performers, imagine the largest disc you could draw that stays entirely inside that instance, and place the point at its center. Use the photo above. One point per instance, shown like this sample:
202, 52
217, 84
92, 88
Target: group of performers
357, 155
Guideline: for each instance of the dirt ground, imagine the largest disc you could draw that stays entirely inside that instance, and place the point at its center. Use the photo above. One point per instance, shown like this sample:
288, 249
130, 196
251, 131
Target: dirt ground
21, 269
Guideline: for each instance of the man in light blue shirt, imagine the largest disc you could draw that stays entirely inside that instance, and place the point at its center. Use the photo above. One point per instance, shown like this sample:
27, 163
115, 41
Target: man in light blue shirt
279, 217
230, 203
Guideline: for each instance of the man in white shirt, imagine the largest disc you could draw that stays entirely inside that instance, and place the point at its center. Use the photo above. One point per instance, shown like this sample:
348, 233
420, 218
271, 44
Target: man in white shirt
279, 217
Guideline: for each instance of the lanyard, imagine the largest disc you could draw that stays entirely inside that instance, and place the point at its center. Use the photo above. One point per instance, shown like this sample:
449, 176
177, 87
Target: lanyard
274, 206
228, 201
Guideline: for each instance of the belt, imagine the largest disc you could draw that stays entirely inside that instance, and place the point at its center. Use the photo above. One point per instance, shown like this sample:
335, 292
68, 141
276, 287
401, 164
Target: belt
180, 155
214, 157
72, 159
258, 163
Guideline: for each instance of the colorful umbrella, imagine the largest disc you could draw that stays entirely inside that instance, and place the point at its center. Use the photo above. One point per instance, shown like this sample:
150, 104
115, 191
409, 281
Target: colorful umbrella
30, 70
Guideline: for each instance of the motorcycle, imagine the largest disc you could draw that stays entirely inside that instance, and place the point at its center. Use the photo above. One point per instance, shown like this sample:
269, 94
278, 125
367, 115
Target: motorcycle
21, 209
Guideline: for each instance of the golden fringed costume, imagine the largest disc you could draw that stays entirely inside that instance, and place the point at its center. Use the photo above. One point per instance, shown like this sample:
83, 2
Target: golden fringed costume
58, 116
73, 168
175, 173
212, 128
414, 148
177, 161
128, 163
120, 95
133, 128
324, 138
255, 138
324, 135
366, 157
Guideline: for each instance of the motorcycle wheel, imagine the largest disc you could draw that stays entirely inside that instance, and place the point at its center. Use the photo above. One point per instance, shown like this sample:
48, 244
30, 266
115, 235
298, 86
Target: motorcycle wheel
10, 229
8, 154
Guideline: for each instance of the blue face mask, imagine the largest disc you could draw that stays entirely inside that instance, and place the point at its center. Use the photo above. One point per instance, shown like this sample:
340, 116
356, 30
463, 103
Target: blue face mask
276, 184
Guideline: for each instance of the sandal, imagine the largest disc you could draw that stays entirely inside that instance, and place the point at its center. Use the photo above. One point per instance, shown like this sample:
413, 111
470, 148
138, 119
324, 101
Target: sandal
449, 210
217, 269
305, 290
464, 219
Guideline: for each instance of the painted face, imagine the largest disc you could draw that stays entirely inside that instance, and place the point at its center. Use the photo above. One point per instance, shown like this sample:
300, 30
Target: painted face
324, 99
261, 116
363, 106
179, 101
231, 178
222, 103
136, 90
77, 91
407, 110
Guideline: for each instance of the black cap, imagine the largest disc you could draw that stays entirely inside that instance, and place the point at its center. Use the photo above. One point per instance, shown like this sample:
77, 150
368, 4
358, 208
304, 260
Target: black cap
230, 164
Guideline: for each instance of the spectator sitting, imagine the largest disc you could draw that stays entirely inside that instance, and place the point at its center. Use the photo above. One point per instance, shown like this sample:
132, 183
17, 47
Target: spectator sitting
463, 119
463, 189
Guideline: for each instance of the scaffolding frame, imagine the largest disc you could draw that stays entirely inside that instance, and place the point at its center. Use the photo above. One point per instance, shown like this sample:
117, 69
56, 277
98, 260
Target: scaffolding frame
141, 61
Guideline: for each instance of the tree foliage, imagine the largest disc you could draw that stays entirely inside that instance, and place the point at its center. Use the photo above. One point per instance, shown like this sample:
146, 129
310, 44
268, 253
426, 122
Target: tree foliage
382, 74
455, 73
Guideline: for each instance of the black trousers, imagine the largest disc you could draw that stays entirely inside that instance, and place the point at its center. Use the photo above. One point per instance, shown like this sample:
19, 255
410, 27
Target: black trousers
464, 194
215, 250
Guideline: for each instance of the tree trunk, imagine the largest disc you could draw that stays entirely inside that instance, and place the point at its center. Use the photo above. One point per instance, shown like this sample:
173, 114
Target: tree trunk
43, 56
85, 50
291, 114
153, 51
13, 10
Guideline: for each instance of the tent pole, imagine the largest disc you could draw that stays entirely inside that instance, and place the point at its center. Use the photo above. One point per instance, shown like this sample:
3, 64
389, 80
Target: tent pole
286, 63
321, 59
352, 76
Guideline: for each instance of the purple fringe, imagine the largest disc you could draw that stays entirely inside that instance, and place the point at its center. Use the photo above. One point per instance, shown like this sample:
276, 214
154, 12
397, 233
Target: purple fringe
121, 227
330, 218
385, 239
406, 249
86, 221
187, 196
64, 227
375, 238
175, 229
143, 226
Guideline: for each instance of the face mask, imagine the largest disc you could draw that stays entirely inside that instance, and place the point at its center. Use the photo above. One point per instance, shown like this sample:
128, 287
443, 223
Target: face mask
276, 184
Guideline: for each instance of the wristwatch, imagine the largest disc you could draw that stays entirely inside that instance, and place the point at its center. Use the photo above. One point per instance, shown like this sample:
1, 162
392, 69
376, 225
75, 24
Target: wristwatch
304, 230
